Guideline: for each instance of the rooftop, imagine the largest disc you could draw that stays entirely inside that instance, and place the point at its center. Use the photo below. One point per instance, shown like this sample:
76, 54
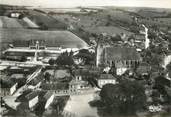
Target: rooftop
74, 82
32, 95
17, 76
106, 76
121, 53
54, 86
48, 94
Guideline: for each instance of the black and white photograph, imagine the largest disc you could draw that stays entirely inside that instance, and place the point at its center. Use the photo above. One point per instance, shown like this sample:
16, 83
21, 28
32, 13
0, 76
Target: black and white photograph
85, 58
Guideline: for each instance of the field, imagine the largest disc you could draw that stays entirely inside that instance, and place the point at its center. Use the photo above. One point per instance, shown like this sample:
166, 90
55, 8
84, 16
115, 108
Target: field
45, 20
6, 22
9, 22
110, 30
116, 18
21, 37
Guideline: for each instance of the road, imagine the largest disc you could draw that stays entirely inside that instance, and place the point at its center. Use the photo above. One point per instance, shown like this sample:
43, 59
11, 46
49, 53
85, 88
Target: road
79, 104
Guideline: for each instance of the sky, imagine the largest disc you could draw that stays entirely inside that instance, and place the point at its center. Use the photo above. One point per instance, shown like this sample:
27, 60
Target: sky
75, 3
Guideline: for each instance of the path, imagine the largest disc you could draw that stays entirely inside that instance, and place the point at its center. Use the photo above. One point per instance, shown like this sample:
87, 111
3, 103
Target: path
30, 23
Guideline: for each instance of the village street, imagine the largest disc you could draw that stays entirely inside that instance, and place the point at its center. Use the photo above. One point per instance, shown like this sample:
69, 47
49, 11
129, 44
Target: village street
79, 104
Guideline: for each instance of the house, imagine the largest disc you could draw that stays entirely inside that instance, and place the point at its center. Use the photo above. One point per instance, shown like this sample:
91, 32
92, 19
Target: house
121, 58
78, 74
15, 70
76, 85
78, 82
86, 71
15, 14
106, 79
143, 69
49, 96
137, 40
32, 98
18, 76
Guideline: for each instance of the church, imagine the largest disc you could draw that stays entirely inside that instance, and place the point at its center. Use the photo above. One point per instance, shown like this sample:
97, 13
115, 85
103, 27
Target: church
122, 58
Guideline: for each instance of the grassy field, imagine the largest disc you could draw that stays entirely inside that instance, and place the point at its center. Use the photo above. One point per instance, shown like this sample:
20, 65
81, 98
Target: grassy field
20, 37
110, 30
48, 21
10, 22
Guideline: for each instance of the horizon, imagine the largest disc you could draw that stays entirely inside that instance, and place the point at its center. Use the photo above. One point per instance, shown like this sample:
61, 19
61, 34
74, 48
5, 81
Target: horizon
88, 3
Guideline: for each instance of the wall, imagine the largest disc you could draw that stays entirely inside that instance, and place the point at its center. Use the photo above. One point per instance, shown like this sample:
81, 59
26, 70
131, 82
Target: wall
13, 88
49, 101
120, 71
33, 102
102, 82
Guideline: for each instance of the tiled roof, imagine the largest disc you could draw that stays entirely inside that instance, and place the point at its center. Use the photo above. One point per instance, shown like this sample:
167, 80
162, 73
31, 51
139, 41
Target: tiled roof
22, 97
29, 94
32, 95
17, 76
80, 72
143, 68
106, 76
74, 82
48, 94
121, 53
54, 86
140, 37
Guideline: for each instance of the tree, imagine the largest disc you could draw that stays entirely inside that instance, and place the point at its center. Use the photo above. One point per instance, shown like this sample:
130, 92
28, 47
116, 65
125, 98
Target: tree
43, 26
168, 67
160, 83
152, 35
47, 76
2, 10
23, 59
65, 59
126, 97
86, 56
51, 61
116, 38
21, 16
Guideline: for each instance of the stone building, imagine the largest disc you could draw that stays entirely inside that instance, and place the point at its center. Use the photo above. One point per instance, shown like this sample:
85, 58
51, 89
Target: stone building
122, 58
106, 79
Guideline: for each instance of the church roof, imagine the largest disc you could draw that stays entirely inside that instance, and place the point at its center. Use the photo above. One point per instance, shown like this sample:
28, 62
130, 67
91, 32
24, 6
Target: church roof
121, 53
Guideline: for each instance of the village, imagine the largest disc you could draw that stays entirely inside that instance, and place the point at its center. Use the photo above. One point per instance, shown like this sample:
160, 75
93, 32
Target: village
46, 71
